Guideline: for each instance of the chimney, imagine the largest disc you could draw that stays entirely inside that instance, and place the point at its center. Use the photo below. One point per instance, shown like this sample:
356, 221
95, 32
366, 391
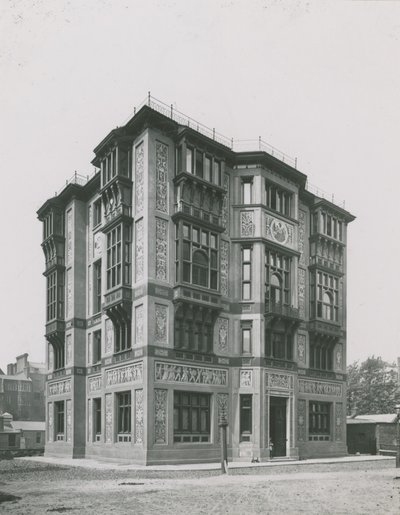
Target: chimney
10, 369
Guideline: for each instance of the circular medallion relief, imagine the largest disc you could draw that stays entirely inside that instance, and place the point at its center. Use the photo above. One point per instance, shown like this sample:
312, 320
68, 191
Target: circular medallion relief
279, 231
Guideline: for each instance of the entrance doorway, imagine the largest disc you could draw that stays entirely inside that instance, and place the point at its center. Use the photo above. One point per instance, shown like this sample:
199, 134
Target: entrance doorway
277, 426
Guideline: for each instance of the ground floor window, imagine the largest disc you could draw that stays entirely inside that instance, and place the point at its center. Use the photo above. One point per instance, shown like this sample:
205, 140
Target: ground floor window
319, 421
246, 417
191, 417
59, 418
124, 417
97, 419
12, 441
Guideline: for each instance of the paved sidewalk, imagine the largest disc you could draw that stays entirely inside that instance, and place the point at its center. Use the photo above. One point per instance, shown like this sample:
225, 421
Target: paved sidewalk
110, 465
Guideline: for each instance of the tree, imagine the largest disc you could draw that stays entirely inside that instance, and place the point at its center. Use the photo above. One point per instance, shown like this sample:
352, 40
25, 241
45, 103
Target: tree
372, 387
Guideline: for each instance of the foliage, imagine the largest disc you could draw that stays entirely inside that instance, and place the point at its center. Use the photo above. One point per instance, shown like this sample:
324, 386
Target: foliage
372, 387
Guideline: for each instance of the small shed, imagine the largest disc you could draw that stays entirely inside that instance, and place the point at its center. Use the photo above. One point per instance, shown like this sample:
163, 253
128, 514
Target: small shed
372, 434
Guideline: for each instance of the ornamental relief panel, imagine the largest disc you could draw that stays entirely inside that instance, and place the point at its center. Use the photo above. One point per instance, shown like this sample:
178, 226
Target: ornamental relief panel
161, 328
224, 275
301, 420
245, 378
339, 357
339, 421
69, 420
171, 373
128, 374
50, 418
320, 388
97, 246
69, 237
139, 251
246, 223
277, 381
221, 335
109, 337
139, 178
95, 384
302, 232
279, 231
161, 249
69, 295
109, 418
89, 236
225, 204
160, 415
139, 314
68, 350
301, 288
59, 388
301, 348
161, 177
139, 416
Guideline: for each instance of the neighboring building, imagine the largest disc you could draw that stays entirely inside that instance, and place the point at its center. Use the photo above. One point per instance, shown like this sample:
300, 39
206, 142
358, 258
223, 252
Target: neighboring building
188, 283
17, 435
22, 390
372, 434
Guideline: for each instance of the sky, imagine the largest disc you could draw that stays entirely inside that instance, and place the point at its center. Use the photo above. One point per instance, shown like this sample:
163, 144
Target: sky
320, 80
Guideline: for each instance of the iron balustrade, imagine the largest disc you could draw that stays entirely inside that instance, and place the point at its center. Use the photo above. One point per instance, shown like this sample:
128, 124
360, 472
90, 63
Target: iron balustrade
274, 308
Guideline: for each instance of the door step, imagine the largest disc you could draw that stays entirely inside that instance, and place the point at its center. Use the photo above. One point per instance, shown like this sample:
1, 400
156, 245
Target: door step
284, 458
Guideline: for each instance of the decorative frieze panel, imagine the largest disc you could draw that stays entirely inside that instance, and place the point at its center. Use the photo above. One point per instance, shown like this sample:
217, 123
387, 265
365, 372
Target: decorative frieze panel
109, 418
301, 420
301, 287
90, 421
69, 237
122, 375
161, 249
50, 418
339, 419
160, 415
221, 335
301, 348
172, 373
279, 231
224, 275
69, 420
161, 177
302, 232
95, 384
59, 387
161, 329
245, 378
139, 250
320, 388
246, 224
139, 314
139, 178
68, 350
225, 204
277, 381
139, 416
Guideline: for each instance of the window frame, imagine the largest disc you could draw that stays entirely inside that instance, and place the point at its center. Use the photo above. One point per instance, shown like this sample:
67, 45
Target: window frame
124, 416
319, 421
189, 414
245, 416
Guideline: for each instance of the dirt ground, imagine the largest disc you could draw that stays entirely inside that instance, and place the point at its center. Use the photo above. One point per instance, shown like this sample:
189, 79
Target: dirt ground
354, 488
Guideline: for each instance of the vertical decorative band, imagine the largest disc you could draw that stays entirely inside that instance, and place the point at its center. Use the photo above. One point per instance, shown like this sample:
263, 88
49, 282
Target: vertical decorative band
139, 178
161, 177
90, 421
139, 325
161, 329
139, 252
161, 249
225, 204
301, 348
109, 418
139, 416
160, 415
68, 350
69, 309
50, 418
109, 340
69, 237
302, 232
69, 420
302, 291
246, 223
224, 268
301, 420
339, 421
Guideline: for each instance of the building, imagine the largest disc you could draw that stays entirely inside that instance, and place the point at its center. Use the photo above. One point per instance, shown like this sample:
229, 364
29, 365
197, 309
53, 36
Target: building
21, 436
372, 434
22, 389
189, 283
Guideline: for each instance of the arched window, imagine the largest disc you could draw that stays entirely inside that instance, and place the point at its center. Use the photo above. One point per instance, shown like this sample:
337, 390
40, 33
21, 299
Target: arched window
276, 289
200, 268
327, 306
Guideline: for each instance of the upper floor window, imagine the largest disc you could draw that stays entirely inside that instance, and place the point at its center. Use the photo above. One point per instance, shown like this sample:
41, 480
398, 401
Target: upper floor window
247, 190
55, 295
279, 345
325, 223
197, 162
278, 199
200, 258
189, 159
114, 257
109, 166
97, 212
321, 354
96, 352
277, 278
246, 273
246, 338
324, 296
97, 287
